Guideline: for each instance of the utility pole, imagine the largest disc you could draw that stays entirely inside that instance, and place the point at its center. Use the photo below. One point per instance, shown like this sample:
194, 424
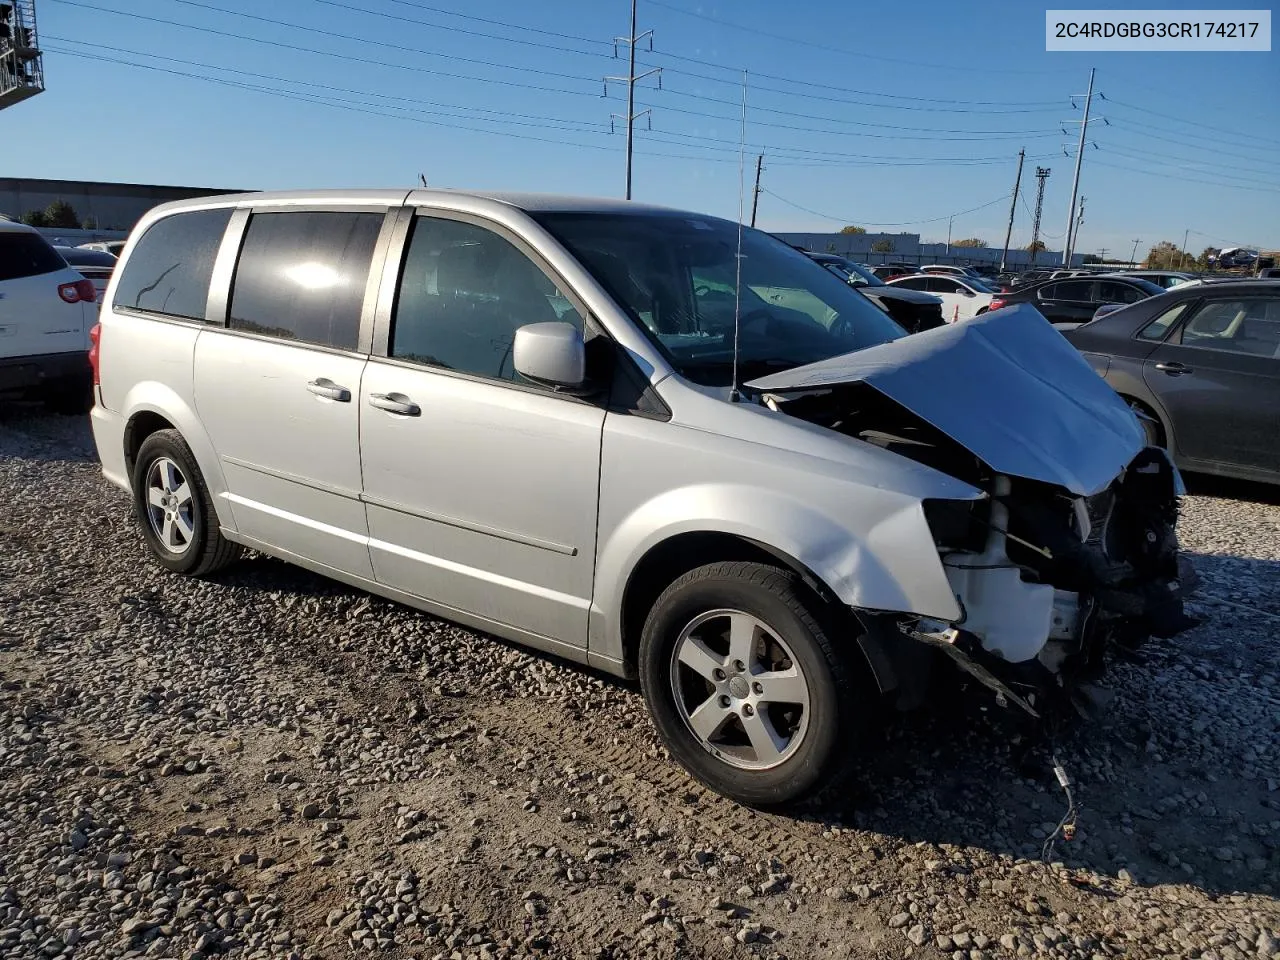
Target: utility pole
755, 197
631, 80
950, 220
1133, 254
1102, 254
1013, 208
1042, 174
1075, 236
1075, 180
1182, 260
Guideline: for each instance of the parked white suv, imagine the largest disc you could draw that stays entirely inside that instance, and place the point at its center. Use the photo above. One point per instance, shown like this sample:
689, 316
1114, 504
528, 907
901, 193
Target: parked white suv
641, 439
46, 310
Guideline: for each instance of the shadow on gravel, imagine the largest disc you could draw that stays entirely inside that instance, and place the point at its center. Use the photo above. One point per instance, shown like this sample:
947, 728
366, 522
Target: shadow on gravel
1226, 488
1167, 798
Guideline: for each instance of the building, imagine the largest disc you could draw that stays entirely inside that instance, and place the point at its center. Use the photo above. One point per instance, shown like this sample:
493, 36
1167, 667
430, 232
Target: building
107, 208
874, 248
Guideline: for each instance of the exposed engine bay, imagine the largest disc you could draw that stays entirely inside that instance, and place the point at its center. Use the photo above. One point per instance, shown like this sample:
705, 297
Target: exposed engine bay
1051, 583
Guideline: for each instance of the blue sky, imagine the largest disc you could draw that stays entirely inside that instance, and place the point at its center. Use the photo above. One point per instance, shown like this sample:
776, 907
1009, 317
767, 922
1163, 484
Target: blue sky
866, 113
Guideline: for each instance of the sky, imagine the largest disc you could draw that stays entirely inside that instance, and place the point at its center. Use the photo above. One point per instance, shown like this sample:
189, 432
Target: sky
869, 114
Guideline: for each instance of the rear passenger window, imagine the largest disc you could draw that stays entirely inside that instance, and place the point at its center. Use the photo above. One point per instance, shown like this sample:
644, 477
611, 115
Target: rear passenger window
169, 269
1157, 328
302, 276
24, 254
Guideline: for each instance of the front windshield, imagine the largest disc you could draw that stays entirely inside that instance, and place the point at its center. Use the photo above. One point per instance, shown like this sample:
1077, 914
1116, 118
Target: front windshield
676, 276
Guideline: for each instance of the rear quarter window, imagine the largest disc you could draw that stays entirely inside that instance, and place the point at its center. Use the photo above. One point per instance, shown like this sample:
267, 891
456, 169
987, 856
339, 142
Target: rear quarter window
25, 254
169, 269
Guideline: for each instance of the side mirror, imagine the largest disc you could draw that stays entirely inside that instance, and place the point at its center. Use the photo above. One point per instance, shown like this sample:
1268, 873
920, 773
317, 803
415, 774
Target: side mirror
552, 354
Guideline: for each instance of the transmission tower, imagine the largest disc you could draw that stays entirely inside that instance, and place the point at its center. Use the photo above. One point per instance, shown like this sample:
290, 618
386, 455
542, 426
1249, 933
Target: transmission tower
630, 117
1042, 174
21, 63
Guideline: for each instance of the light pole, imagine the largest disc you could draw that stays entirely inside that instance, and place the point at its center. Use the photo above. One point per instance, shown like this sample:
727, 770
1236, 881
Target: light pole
1134, 253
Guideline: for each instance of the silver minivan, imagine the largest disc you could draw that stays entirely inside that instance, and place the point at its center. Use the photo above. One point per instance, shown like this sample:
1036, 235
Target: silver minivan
646, 440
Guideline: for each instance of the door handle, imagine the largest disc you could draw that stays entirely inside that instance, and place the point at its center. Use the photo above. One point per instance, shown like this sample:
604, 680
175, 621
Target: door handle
396, 403
1173, 368
324, 387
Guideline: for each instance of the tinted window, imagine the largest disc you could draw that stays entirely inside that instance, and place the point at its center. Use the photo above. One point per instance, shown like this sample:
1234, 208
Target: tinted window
302, 276
942, 285
1157, 328
913, 283
25, 254
1250, 326
168, 271
1074, 291
87, 258
1109, 291
464, 292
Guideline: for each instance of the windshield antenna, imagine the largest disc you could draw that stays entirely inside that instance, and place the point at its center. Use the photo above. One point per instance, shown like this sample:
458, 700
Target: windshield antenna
734, 395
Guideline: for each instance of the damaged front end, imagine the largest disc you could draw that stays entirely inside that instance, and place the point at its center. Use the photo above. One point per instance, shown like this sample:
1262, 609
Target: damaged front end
1072, 555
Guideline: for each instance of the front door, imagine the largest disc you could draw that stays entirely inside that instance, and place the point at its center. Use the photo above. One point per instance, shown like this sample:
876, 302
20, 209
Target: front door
480, 488
278, 391
1218, 378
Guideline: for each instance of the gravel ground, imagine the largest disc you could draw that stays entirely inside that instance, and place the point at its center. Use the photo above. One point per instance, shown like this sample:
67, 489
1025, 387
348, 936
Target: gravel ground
273, 765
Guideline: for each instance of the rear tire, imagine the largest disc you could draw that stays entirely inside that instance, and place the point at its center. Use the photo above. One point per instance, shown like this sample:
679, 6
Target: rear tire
174, 508
738, 669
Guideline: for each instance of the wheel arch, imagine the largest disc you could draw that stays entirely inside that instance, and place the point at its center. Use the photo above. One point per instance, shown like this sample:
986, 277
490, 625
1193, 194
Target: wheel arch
669, 559
152, 406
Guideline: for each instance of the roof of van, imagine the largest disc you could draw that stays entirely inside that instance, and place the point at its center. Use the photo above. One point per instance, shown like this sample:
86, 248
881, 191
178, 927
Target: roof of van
13, 226
540, 202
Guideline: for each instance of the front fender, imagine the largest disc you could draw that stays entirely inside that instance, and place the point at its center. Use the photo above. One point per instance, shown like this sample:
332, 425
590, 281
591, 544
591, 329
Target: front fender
151, 396
876, 552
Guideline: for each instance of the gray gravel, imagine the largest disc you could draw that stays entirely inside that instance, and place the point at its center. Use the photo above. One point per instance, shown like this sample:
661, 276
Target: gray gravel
272, 765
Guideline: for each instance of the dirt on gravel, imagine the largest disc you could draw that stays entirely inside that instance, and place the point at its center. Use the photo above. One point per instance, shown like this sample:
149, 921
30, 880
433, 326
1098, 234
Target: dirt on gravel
270, 764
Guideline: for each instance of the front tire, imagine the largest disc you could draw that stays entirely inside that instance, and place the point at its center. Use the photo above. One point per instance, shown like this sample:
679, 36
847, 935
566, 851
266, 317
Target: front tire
174, 508
745, 687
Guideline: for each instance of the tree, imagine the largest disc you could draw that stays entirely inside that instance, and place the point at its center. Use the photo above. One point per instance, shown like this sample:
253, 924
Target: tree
971, 242
1036, 246
1203, 262
1165, 255
853, 229
61, 214
35, 218
882, 246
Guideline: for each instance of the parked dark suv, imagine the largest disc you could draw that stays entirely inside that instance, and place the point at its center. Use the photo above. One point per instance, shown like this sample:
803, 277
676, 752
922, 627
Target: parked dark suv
1076, 300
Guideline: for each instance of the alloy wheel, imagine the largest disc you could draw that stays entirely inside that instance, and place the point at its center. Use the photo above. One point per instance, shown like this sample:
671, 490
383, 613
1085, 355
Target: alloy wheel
170, 506
739, 689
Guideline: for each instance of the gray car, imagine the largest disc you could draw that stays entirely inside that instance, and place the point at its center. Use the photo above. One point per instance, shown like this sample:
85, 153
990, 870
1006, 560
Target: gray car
1201, 365
642, 439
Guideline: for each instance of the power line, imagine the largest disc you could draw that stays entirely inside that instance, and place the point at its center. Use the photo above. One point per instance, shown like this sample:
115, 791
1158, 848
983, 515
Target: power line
347, 39
1167, 176
365, 109
1200, 126
439, 26
839, 89
1124, 123
583, 126
499, 23
941, 134
946, 107
900, 223
773, 35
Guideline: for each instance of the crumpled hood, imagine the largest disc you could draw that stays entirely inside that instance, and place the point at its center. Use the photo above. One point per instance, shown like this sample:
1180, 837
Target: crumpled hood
1006, 386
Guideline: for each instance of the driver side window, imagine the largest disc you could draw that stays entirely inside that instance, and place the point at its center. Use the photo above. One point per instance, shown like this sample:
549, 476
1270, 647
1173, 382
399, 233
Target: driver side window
463, 293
